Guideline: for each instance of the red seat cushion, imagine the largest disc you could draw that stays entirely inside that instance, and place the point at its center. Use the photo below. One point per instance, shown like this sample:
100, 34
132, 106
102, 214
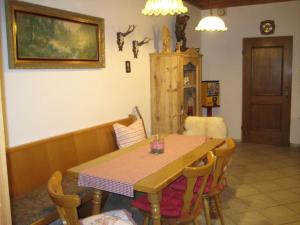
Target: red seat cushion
170, 205
181, 183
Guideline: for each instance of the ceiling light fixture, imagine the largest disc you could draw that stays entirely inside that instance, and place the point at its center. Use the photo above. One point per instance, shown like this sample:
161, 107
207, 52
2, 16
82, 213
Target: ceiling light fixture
211, 23
164, 7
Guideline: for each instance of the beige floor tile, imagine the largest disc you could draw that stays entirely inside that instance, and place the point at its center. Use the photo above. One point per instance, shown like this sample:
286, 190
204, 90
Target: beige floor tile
245, 190
250, 218
262, 178
236, 170
292, 161
255, 167
259, 201
234, 181
288, 182
234, 206
291, 170
227, 220
296, 190
285, 196
295, 223
249, 178
270, 174
294, 206
275, 165
265, 186
280, 215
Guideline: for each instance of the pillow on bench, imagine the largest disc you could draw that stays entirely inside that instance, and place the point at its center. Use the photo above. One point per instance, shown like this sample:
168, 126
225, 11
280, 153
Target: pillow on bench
130, 135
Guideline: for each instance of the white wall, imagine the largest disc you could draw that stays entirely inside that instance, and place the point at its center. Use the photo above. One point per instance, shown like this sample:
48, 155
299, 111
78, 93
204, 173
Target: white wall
43, 102
223, 57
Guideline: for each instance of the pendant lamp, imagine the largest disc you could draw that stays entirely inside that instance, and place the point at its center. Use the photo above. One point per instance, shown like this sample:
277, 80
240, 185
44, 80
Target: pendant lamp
164, 7
211, 23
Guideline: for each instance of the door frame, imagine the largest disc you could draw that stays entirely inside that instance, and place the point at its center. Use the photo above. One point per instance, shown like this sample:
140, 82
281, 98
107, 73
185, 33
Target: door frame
268, 42
5, 212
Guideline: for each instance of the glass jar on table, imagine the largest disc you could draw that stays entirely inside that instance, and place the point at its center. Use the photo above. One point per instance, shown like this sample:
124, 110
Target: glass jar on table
157, 144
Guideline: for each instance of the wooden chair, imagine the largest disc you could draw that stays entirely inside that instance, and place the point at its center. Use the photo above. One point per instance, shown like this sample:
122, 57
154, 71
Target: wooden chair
67, 207
216, 181
180, 207
223, 159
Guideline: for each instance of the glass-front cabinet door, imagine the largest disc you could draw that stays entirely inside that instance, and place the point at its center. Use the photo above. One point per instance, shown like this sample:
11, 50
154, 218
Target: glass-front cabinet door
190, 101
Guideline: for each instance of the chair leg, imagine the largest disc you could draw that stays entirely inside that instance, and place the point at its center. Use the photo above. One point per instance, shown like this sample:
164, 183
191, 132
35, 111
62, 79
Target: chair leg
146, 220
213, 209
206, 211
219, 208
196, 221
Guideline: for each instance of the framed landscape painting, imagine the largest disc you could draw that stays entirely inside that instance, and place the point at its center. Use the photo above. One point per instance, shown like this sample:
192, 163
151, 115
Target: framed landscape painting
43, 37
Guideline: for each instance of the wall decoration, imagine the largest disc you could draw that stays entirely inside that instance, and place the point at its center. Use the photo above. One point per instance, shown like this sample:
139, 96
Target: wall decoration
166, 39
127, 67
267, 27
43, 37
121, 35
221, 12
181, 22
137, 44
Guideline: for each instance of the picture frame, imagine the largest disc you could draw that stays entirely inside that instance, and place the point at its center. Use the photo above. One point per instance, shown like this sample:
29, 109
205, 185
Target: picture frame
44, 37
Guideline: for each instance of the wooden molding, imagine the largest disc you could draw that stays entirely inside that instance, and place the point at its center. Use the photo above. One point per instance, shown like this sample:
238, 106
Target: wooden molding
211, 4
5, 217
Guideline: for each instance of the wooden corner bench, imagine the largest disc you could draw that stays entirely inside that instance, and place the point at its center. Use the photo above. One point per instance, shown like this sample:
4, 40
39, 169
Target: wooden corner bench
31, 165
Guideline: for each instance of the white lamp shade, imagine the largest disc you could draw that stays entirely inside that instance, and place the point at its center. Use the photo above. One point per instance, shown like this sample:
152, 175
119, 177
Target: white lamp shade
211, 23
164, 7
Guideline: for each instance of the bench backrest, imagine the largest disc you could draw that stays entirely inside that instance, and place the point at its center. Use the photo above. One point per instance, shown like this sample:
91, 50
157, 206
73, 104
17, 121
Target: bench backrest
31, 165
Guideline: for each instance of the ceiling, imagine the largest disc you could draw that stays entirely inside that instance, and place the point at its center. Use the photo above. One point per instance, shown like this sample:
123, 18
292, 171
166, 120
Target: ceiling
208, 4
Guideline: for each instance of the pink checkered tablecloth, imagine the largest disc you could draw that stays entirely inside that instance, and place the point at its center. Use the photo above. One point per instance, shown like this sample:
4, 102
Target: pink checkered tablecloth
119, 174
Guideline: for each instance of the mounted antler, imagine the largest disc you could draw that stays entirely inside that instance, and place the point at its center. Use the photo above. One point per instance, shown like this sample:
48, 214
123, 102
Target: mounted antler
136, 44
145, 41
129, 30
121, 35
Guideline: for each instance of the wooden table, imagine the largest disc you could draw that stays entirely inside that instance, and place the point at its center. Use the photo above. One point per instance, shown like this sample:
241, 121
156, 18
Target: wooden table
154, 183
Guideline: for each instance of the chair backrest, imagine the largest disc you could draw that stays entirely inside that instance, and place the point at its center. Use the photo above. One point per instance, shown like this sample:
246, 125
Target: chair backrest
214, 127
66, 204
191, 174
223, 158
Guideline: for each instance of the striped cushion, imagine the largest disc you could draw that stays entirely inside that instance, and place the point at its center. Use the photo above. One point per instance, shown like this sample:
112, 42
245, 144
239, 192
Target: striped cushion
130, 135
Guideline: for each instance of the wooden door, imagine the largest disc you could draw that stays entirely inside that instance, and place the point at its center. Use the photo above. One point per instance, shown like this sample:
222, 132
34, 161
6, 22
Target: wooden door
267, 71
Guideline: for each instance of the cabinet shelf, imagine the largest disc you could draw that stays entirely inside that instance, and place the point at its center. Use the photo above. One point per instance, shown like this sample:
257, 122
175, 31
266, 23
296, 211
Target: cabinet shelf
189, 86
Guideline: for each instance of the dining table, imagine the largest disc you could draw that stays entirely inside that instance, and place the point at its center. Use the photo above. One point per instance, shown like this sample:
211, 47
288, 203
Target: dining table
136, 168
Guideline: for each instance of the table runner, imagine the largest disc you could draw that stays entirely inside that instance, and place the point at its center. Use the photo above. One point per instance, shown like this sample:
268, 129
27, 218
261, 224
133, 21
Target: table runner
119, 174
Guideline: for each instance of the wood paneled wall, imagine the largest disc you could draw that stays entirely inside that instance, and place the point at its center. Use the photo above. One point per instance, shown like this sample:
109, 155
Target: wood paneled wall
31, 165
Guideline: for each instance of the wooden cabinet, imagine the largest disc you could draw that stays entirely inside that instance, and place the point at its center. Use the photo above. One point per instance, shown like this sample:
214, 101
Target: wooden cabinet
175, 89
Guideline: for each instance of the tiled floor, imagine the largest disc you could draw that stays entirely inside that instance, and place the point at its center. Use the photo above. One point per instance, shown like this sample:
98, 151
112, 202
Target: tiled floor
264, 186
